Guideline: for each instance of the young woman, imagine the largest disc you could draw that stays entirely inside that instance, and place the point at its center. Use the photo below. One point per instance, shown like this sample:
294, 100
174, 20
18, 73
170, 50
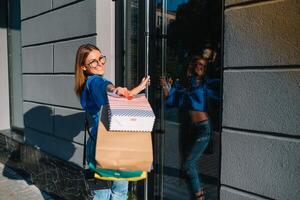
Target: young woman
92, 88
192, 96
198, 91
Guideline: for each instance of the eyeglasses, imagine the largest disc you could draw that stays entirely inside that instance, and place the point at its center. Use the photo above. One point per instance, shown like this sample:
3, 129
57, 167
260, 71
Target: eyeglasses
95, 63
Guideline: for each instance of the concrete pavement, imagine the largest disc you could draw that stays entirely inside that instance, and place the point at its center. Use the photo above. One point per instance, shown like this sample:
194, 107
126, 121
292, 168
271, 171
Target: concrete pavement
14, 187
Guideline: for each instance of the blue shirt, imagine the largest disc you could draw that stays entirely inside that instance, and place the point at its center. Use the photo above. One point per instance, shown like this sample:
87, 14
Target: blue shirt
177, 95
93, 97
198, 92
194, 97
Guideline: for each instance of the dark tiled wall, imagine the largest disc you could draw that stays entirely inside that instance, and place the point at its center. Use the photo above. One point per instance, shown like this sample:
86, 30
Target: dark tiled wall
50, 174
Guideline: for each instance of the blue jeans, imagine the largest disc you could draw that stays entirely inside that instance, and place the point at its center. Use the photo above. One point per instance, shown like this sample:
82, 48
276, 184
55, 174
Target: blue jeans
118, 190
201, 132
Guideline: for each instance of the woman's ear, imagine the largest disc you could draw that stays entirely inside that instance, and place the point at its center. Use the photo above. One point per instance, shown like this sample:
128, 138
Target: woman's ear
83, 68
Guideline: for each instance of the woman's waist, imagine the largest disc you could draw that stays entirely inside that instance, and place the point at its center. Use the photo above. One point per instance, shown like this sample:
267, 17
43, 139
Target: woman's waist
198, 116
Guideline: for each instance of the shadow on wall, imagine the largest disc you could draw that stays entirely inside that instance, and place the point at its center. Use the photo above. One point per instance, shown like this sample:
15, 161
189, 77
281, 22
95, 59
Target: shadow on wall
54, 133
59, 136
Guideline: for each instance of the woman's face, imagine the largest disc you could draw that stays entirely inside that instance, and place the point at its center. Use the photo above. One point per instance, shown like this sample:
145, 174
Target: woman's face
94, 63
200, 67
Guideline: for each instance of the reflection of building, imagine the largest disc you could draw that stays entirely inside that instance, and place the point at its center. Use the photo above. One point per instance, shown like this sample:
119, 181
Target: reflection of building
131, 42
170, 17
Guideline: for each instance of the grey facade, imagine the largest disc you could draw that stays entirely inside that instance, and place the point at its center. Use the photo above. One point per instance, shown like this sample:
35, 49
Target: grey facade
51, 33
4, 102
260, 139
261, 111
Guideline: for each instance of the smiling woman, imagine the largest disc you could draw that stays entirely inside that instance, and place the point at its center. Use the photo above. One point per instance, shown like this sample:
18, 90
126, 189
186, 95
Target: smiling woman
92, 88
90, 62
95, 63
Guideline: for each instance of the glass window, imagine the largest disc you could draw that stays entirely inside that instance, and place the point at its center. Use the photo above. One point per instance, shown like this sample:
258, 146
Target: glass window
128, 41
130, 56
179, 31
188, 57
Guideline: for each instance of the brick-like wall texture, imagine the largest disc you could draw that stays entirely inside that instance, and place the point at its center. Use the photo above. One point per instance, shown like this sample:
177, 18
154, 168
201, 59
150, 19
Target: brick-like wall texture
261, 100
52, 31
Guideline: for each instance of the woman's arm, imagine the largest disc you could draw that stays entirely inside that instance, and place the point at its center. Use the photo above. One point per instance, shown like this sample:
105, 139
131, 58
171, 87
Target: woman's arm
143, 84
133, 92
117, 90
163, 83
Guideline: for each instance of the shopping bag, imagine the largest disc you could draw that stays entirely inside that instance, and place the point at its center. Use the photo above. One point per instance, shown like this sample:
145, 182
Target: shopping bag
134, 114
123, 150
114, 175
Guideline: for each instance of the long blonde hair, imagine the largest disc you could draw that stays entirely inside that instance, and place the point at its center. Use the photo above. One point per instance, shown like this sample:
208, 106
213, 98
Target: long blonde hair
80, 76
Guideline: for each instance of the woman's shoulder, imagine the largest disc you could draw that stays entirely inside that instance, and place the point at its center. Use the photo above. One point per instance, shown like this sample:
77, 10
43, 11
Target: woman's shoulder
96, 80
95, 77
212, 81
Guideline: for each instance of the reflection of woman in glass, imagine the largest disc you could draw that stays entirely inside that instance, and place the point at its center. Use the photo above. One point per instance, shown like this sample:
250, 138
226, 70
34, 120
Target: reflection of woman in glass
197, 91
193, 97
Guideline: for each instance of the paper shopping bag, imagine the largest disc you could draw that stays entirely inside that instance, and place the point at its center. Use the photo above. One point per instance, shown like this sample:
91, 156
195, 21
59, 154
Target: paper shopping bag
123, 150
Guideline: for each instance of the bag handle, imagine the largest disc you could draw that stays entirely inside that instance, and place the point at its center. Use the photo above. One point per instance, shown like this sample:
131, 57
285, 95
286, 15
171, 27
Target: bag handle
91, 182
86, 130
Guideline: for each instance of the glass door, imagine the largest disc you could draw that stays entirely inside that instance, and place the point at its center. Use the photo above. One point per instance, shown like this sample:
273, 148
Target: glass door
179, 31
132, 58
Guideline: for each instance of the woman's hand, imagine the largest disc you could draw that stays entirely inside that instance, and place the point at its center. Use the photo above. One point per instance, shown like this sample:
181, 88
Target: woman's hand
144, 83
164, 84
123, 91
163, 81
